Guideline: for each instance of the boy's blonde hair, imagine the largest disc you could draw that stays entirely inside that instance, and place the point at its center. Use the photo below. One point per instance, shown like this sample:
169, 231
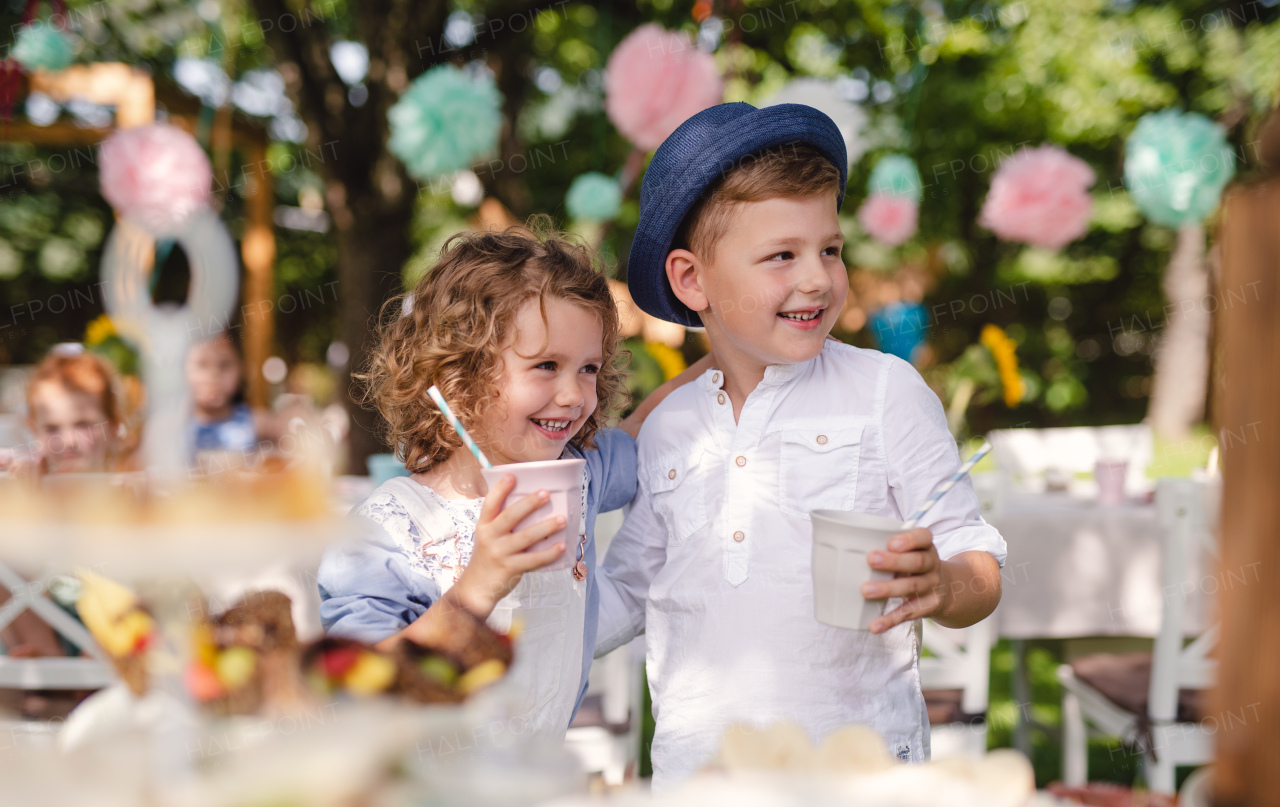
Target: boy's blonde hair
462, 313
790, 171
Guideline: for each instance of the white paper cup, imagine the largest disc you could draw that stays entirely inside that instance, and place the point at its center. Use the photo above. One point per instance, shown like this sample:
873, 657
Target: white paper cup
841, 543
563, 480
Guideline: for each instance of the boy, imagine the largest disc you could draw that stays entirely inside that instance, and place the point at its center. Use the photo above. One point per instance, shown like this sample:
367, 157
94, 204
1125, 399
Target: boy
738, 234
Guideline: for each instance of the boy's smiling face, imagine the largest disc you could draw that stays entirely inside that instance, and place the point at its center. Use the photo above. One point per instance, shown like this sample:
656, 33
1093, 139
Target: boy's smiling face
774, 284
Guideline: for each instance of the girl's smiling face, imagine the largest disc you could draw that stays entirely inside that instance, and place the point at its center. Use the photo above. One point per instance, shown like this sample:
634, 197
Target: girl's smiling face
73, 432
548, 382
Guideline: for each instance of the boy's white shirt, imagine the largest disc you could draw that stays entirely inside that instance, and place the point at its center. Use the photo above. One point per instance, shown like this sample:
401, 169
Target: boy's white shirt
730, 629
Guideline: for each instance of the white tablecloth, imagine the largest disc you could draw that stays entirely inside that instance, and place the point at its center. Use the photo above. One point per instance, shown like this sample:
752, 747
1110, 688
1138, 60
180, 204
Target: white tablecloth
1078, 569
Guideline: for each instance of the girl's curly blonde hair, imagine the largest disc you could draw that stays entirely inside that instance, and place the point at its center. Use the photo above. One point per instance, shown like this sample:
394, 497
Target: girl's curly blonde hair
460, 315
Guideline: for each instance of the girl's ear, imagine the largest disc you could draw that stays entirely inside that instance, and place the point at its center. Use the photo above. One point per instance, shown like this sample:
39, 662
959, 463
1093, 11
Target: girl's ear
684, 273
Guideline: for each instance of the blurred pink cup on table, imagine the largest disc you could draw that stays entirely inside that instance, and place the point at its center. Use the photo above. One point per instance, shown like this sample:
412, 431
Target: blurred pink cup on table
1110, 476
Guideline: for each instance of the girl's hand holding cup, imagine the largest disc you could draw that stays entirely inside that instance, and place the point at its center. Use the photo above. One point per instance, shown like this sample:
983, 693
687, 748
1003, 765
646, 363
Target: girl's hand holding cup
499, 559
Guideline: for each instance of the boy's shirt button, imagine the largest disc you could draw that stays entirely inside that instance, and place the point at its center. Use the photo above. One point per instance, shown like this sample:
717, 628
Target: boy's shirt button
741, 461
671, 474
822, 439
720, 398
739, 536
715, 378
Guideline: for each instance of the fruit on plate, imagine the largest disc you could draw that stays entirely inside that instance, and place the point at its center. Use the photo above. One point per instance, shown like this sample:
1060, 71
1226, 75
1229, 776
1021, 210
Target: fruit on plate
245, 660
372, 673
202, 683
481, 675
338, 661
344, 665
460, 636
262, 620
439, 669
459, 656
235, 666
118, 622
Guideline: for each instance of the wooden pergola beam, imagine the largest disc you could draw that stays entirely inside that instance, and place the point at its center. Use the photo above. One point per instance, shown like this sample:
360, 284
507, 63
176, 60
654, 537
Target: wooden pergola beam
129, 89
55, 134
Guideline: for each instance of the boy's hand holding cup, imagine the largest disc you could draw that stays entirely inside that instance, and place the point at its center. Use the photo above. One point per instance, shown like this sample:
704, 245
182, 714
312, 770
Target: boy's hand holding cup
861, 560
917, 569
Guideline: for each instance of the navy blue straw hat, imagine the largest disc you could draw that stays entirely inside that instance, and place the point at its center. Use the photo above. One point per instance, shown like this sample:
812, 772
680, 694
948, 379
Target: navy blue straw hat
697, 154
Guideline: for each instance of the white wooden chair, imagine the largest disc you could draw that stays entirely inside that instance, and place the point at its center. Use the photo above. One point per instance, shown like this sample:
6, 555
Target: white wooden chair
1025, 454
1187, 510
955, 679
94, 672
605, 735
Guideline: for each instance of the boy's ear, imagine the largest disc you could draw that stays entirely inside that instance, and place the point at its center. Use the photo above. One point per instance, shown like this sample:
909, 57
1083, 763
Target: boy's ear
685, 276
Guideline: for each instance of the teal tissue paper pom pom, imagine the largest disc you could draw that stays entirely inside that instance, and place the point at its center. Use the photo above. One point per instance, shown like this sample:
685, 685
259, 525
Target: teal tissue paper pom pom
1176, 165
445, 121
594, 197
896, 175
39, 47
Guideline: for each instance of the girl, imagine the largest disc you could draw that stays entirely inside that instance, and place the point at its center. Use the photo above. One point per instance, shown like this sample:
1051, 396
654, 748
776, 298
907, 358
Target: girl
520, 333
226, 432
74, 412
222, 420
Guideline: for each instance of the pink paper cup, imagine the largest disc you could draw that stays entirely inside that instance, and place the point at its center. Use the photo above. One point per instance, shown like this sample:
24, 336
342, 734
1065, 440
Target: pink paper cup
563, 480
1110, 476
841, 543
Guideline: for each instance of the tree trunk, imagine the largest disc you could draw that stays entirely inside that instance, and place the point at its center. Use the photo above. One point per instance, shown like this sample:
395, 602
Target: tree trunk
1182, 362
371, 249
367, 191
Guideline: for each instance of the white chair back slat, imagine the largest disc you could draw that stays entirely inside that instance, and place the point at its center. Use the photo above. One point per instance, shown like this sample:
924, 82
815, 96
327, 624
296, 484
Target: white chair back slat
941, 644
55, 673
1182, 506
1211, 504
1196, 673
962, 660
935, 675
1203, 644
1196, 670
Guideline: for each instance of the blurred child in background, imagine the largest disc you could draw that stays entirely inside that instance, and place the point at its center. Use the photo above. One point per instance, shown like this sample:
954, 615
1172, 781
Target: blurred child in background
73, 410
222, 420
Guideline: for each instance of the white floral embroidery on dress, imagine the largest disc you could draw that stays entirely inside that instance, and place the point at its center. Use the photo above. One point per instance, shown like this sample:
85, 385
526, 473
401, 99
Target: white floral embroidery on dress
441, 561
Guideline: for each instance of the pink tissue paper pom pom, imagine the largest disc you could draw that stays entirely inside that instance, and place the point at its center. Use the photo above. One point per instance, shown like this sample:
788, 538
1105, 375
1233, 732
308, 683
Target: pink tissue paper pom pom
1041, 197
891, 220
656, 80
156, 176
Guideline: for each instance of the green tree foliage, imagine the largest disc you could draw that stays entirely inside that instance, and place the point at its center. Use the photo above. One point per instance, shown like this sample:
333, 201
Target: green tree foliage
955, 85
